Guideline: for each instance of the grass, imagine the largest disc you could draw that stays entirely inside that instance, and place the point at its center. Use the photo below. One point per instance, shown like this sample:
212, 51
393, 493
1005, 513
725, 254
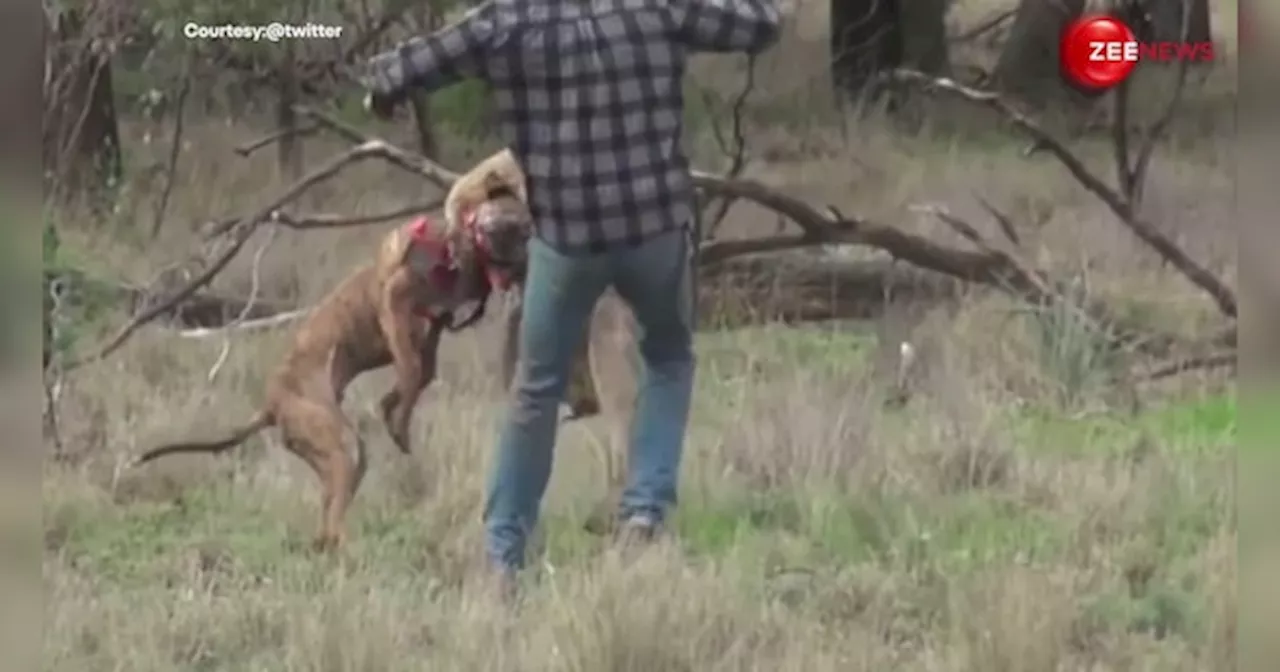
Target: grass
1111, 549
1016, 515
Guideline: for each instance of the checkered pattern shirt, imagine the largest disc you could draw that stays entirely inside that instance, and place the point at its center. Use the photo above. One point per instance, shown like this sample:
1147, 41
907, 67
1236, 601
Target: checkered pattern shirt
588, 95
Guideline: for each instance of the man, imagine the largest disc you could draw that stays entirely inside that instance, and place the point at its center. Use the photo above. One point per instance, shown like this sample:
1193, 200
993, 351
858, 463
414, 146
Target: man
588, 95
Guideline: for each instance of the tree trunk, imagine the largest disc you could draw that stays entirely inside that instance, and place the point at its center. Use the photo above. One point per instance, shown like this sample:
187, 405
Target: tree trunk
1166, 20
866, 38
289, 149
24, 84
427, 20
288, 94
81, 136
924, 36
1029, 67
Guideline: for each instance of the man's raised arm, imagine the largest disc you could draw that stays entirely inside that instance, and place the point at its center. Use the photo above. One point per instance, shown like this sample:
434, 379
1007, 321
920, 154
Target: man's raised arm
727, 25
453, 53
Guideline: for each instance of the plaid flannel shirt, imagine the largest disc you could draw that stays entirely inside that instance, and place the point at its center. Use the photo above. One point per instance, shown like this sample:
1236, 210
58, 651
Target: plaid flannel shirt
588, 95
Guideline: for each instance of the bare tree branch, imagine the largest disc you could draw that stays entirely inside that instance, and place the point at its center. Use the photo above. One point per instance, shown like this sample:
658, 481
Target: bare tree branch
991, 265
276, 320
738, 160
1003, 220
1029, 282
252, 146
1200, 363
255, 285
325, 220
997, 20
240, 234
1124, 210
1032, 284
818, 227
328, 221
435, 173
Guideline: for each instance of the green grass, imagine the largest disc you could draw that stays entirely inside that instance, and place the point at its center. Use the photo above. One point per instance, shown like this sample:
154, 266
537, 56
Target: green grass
953, 533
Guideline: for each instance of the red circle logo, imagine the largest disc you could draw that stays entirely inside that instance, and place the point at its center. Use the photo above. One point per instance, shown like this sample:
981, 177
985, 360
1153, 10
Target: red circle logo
1098, 52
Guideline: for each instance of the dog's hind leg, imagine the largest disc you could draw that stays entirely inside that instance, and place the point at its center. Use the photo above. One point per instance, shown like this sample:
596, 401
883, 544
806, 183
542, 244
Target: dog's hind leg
359, 454
314, 432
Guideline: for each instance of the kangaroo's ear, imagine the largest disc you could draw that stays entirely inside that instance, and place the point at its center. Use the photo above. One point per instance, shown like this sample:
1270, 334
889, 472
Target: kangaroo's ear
496, 185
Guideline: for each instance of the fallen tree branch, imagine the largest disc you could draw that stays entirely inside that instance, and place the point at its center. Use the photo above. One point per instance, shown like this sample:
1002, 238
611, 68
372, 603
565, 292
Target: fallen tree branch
794, 288
327, 221
818, 227
331, 221
827, 226
277, 320
821, 227
240, 234
252, 146
255, 284
1200, 363
831, 227
1026, 280
1124, 210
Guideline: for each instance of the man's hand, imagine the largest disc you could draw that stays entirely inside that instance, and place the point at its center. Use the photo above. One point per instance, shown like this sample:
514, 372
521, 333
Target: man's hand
385, 79
380, 106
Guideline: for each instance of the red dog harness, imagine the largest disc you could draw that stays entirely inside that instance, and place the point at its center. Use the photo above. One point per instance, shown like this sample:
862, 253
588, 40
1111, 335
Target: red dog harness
443, 272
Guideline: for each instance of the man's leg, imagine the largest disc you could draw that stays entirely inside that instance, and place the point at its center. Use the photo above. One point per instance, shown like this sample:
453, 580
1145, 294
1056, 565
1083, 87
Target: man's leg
655, 280
560, 293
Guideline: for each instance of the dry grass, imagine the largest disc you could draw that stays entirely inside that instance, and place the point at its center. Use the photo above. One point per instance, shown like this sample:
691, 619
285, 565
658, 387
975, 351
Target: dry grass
995, 524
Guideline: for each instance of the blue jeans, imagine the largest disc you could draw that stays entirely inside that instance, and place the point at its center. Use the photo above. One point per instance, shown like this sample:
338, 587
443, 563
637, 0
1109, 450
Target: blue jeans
655, 280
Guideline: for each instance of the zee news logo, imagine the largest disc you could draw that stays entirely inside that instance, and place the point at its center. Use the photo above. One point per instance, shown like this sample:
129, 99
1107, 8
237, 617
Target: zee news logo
1099, 52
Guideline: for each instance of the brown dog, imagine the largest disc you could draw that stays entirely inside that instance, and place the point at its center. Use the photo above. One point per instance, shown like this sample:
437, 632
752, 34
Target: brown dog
391, 312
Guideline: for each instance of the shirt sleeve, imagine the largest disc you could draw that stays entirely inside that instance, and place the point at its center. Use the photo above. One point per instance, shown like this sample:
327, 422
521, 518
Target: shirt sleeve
455, 52
727, 25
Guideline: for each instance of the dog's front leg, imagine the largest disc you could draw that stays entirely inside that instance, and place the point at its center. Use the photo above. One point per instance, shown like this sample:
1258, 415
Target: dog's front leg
395, 402
396, 319
428, 353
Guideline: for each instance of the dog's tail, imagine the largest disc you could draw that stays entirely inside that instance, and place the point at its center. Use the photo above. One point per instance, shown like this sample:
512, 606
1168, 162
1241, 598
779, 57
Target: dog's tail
259, 421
